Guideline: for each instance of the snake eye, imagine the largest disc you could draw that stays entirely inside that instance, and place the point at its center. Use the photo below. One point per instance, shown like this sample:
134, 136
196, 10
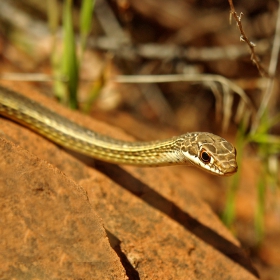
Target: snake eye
205, 156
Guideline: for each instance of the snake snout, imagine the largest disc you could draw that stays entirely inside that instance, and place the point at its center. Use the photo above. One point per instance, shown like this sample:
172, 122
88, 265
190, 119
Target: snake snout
230, 169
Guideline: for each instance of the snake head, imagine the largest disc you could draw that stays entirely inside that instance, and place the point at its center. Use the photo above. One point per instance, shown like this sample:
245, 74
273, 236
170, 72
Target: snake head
211, 153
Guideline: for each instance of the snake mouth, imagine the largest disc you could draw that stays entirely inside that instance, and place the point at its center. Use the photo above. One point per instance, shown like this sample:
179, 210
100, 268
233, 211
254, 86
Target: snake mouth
232, 170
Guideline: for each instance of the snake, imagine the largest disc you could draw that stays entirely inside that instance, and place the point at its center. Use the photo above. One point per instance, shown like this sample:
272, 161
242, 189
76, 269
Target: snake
205, 150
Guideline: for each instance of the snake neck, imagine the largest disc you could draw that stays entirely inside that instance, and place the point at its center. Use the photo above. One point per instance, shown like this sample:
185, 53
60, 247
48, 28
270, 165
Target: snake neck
154, 153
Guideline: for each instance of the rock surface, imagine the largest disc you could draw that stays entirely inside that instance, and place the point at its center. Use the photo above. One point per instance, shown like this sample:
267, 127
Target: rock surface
154, 220
48, 227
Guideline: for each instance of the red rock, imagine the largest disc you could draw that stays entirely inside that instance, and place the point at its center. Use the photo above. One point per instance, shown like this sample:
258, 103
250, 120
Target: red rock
155, 222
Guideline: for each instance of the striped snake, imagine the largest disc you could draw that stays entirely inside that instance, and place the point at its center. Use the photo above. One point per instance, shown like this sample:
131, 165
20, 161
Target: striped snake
205, 150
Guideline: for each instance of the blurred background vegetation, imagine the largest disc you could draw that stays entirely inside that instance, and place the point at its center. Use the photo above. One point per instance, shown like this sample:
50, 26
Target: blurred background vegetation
174, 66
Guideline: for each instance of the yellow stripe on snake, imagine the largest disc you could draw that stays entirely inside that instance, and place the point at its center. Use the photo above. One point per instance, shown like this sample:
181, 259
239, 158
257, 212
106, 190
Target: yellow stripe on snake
204, 150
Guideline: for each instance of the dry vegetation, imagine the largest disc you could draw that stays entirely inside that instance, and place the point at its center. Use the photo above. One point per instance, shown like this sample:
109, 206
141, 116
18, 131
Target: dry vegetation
174, 66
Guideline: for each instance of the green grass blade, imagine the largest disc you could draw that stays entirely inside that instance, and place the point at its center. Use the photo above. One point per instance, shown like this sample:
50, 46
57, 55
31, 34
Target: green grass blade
228, 214
53, 22
259, 214
85, 21
53, 17
69, 59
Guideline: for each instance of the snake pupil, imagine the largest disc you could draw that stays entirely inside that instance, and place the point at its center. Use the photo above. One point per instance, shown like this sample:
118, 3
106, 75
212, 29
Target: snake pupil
205, 157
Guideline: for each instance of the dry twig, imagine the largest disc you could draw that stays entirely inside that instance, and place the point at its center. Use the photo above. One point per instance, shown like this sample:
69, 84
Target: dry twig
244, 111
170, 52
255, 59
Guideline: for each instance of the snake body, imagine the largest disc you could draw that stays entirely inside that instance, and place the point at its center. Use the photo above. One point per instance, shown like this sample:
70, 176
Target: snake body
205, 150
